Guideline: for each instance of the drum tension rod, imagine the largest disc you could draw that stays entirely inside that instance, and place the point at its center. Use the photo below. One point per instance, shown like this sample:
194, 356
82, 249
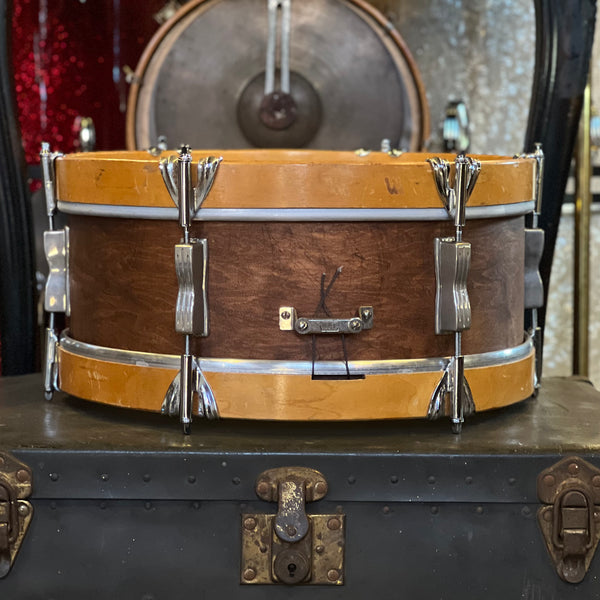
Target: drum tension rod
453, 308
534, 247
191, 263
56, 292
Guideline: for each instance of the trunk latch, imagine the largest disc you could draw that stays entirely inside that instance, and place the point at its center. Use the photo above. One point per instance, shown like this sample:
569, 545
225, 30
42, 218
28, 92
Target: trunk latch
570, 520
15, 511
292, 547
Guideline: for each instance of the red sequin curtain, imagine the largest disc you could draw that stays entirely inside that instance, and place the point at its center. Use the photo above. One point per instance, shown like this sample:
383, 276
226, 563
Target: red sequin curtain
68, 58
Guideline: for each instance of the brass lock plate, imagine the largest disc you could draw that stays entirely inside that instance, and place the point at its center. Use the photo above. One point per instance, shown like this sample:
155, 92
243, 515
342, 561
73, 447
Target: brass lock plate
317, 560
15, 511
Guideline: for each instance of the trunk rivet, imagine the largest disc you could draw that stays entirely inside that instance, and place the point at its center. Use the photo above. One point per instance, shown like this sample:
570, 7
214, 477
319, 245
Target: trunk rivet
22, 476
320, 487
263, 488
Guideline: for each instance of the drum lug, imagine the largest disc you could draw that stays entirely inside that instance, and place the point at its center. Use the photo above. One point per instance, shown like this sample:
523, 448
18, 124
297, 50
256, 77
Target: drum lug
291, 547
452, 305
191, 311
15, 511
289, 321
569, 519
56, 248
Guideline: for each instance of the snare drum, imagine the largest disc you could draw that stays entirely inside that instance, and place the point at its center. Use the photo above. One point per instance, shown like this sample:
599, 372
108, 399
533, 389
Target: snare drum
319, 270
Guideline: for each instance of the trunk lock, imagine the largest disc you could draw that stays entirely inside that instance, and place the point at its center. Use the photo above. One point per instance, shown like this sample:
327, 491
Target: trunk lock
570, 521
15, 511
292, 547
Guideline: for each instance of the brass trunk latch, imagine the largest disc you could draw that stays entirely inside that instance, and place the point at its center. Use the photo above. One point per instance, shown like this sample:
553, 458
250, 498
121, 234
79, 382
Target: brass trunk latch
292, 547
15, 511
570, 521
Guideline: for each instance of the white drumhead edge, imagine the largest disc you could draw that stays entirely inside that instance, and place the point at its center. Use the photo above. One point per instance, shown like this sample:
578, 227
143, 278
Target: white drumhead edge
295, 214
279, 367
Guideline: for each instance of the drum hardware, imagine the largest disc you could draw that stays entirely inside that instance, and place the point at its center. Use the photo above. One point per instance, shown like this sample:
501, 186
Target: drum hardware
158, 148
167, 11
289, 321
291, 547
452, 306
191, 314
191, 263
455, 131
278, 109
87, 133
207, 405
15, 511
130, 76
386, 148
56, 247
534, 248
453, 309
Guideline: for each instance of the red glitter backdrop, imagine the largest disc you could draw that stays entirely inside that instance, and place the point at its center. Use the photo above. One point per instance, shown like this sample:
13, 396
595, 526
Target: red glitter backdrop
68, 58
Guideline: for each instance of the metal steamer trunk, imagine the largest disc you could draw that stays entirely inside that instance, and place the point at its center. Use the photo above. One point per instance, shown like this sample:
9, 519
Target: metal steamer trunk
122, 507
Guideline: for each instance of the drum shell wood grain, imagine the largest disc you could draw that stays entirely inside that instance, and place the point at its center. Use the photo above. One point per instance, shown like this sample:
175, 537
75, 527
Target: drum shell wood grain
123, 286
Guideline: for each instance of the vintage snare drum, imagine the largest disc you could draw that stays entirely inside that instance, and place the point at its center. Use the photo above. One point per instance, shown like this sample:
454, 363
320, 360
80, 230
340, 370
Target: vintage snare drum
293, 285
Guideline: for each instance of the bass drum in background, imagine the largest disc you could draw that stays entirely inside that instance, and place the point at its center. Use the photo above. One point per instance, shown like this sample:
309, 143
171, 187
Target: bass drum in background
200, 80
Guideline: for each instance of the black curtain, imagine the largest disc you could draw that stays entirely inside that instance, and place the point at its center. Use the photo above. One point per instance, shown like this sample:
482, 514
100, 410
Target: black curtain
17, 273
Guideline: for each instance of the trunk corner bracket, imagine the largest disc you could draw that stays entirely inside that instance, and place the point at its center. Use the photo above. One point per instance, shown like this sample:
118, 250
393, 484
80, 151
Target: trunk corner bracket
570, 517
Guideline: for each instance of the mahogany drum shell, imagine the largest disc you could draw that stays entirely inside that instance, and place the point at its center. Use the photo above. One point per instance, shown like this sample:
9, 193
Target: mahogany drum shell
123, 286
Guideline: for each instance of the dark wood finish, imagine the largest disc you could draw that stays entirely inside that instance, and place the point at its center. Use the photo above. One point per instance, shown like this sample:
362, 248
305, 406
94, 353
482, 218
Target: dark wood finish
124, 287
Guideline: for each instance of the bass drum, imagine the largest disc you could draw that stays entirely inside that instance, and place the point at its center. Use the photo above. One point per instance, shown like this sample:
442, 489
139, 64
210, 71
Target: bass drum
201, 80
